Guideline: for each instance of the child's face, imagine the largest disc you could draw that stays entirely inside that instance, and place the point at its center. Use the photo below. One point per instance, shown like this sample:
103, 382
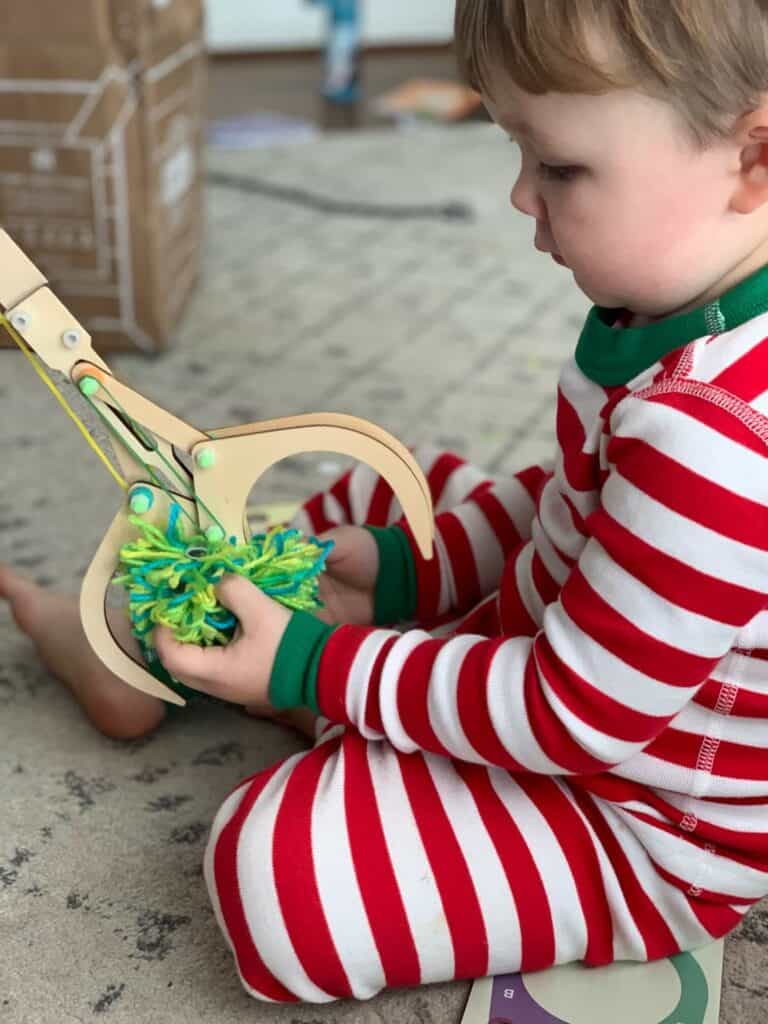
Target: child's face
622, 195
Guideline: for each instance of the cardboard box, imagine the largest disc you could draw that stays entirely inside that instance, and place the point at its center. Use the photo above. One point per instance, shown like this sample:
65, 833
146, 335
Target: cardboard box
102, 108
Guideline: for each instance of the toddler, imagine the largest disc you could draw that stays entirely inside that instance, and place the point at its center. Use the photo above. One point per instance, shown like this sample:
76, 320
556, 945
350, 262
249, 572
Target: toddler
563, 756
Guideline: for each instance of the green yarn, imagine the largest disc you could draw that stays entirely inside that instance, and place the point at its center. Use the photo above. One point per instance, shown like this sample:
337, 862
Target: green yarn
171, 577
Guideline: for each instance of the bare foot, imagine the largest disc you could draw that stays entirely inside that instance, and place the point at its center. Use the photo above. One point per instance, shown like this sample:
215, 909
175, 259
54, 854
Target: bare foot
52, 622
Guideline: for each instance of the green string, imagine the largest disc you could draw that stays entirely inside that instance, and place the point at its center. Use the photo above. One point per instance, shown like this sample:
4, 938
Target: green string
150, 443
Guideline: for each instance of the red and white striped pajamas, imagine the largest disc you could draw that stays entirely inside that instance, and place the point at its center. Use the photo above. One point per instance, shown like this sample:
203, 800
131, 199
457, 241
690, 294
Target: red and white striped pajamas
566, 757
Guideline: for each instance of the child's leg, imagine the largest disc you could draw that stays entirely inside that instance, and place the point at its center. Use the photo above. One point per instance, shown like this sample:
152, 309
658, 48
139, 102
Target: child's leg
362, 497
52, 622
353, 868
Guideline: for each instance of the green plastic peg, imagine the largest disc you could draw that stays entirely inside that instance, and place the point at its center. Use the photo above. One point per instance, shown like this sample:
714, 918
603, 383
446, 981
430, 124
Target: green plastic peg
89, 386
214, 534
141, 501
206, 458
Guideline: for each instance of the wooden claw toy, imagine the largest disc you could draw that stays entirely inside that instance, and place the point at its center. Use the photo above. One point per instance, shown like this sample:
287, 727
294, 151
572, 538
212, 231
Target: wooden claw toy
165, 461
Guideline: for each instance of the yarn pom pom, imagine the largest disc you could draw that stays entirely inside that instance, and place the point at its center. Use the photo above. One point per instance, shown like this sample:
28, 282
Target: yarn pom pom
171, 577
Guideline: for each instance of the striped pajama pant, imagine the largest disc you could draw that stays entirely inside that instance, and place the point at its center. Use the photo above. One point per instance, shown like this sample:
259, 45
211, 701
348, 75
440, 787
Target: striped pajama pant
353, 867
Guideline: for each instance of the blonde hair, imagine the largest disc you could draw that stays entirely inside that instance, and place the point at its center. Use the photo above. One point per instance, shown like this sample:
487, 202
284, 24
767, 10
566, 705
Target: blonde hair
708, 58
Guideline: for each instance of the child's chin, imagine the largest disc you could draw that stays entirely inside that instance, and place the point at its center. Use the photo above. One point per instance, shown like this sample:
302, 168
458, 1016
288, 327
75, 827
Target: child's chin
604, 299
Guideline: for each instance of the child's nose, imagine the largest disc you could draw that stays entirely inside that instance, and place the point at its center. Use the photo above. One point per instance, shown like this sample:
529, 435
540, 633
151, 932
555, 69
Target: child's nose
525, 197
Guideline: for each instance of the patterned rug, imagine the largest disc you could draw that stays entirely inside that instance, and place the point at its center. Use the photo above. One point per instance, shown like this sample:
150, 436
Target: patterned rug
438, 327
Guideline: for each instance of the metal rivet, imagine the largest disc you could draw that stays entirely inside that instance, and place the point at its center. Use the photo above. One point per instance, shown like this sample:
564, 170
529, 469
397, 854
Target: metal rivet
21, 320
71, 339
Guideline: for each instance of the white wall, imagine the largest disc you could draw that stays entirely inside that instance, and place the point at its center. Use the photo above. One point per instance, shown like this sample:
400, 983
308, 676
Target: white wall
294, 24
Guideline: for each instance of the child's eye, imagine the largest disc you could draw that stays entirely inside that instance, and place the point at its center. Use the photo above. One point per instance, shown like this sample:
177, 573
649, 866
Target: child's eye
563, 173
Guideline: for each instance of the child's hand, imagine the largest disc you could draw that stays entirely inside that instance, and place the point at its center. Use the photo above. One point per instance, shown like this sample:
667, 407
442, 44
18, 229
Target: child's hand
347, 586
241, 671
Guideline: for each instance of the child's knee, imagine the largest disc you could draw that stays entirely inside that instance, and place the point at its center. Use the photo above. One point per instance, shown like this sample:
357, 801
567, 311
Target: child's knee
272, 869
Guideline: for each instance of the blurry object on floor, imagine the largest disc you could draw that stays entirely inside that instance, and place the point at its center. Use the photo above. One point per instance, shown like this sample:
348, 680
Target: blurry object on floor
101, 131
428, 99
342, 68
264, 517
288, 83
254, 131
451, 210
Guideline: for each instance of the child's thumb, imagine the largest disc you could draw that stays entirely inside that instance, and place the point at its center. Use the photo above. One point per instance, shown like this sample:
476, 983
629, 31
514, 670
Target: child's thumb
335, 536
241, 597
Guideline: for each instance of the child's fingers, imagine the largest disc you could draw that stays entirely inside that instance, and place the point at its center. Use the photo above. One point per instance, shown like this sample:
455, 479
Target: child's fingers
339, 535
238, 672
201, 668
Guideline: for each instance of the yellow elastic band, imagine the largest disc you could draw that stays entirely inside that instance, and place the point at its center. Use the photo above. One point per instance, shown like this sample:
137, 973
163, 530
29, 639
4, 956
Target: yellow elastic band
4, 322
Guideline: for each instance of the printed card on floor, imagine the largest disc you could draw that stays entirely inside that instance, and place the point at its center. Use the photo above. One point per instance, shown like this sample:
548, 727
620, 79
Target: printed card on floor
681, 990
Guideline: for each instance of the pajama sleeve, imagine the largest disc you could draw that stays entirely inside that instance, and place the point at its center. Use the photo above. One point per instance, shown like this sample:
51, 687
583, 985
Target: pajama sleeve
473, 541
674, 566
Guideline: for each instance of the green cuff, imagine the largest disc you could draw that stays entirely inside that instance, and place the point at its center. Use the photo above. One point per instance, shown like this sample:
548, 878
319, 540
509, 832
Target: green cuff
396, 597
294, 675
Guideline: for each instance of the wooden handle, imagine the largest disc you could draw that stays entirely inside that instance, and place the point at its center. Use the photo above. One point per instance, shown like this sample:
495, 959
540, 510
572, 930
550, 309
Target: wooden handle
93, 597
226, 469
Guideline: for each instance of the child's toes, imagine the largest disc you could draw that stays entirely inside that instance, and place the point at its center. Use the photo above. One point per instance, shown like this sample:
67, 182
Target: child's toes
13, 585
6, 582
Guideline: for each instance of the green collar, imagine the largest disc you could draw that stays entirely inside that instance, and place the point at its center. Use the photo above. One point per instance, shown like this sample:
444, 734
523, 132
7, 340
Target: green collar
612, 357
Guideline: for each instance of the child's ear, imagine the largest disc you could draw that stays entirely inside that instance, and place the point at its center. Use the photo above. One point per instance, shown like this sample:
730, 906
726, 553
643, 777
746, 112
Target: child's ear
752, 190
